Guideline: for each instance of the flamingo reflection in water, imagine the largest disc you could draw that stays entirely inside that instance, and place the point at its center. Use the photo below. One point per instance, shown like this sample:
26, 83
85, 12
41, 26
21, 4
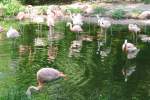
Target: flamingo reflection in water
128, 72
45, 75
103, 49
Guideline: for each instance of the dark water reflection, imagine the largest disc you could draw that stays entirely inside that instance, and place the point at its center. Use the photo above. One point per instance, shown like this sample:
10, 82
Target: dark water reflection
90, 76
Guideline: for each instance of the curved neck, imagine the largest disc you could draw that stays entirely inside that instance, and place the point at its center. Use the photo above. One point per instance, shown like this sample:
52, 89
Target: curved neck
70, 26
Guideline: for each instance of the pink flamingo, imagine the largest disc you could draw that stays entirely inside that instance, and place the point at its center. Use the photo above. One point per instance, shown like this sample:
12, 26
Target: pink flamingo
20, 16
75, 28
135, 29
51, 22
45, 75
1, 29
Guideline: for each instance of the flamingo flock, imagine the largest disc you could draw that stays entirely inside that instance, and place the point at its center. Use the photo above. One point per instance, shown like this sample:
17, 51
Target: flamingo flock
55, 13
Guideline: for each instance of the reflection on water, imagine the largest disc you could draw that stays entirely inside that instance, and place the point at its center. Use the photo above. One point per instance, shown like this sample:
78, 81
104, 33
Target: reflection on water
99, 73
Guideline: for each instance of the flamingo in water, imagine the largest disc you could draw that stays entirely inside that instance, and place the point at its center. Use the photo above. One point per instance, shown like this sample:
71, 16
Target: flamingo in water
1, 29
130, 49
135, 29
104, 24
45, 75
75, 28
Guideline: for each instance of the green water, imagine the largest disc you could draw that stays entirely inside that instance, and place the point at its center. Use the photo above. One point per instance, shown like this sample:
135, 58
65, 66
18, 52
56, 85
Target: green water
89, 76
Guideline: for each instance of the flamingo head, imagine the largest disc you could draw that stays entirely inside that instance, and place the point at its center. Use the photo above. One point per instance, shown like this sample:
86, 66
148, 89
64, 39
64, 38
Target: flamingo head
124, 46
68, 24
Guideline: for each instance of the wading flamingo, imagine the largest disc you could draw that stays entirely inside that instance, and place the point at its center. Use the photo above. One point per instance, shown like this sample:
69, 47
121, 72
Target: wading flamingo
130, 49
77, 19
104, 24
51, 23
75, 28
1, 29
45, 75
135, 29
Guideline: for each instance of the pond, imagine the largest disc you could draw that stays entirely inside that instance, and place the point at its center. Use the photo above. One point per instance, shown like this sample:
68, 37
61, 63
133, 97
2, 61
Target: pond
90, 75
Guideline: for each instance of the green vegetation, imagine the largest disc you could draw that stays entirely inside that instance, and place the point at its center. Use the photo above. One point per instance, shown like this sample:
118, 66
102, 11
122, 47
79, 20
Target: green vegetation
146, 1
12, 9
118, 14
100, 10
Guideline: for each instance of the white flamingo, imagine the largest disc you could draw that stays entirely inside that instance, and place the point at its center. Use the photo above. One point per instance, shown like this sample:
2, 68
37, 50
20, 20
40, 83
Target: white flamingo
51, 23
77, 19
135, 29
12, 33
75, 28
45, 75
104, 24
130, 49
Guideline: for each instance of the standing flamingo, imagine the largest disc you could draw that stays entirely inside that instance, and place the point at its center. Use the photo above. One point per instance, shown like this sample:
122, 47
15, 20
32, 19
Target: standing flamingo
75, 28
104, 24
135, 29
88, 10
130, 49
1, 29
51, 23
77, 19
45, 75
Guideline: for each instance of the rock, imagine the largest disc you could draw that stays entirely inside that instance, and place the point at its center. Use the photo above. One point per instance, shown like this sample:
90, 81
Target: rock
144, 15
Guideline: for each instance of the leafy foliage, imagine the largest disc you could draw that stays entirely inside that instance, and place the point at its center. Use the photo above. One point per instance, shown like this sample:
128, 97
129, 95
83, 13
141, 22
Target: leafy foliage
12, 9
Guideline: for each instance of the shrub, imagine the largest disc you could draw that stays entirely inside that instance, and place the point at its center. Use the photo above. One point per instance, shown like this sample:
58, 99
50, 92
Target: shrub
12, 9
146, 1
118, 14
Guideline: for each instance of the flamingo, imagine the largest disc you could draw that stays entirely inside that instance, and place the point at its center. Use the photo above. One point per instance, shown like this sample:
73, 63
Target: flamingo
51, 23
12, 33
127, 72
77, 19
75, 28
104, 24
130, 49
1, 29
135, 29
88, 10
45, 75
38, 19
20, 16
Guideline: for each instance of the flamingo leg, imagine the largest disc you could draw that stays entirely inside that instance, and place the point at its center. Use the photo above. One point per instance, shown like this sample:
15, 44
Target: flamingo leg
105, 36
